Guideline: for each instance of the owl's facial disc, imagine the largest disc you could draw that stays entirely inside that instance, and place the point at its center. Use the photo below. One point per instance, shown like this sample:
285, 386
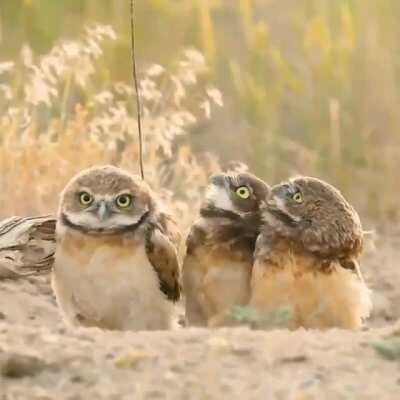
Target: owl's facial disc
285, 203
217, 194
237, 197
104, 213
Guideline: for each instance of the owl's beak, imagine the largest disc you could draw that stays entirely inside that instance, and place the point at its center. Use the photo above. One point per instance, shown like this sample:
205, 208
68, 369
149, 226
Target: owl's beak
278, 195
103, 211
271, 202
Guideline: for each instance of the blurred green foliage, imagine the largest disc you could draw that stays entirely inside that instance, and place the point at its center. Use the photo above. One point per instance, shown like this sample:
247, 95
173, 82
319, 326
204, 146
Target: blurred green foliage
280, 318
388, 348
310, 86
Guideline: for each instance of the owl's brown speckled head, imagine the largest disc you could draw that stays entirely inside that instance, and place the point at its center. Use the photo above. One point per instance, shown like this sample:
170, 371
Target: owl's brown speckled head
105, 199
313, 212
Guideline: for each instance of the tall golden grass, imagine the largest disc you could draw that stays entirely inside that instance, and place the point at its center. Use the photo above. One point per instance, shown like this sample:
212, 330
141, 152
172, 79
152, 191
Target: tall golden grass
310, 86
55, 121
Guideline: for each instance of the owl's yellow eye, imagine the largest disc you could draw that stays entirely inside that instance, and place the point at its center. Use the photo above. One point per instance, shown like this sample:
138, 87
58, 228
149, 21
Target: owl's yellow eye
85, 198
124, 200
243, 192
298, 197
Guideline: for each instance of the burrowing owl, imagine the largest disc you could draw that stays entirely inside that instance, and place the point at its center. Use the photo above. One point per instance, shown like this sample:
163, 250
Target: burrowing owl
220, 246
306, 257
116, 264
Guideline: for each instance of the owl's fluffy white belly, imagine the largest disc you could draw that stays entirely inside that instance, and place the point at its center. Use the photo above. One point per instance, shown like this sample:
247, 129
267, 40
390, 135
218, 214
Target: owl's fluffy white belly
110, 291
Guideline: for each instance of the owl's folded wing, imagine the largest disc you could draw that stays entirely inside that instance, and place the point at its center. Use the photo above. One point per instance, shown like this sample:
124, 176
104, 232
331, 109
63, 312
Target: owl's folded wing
163, 257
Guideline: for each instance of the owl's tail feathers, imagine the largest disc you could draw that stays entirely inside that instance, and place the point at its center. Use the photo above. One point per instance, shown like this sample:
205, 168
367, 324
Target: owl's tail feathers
365, 303
365, 294
27, 246
350, 302
362, 293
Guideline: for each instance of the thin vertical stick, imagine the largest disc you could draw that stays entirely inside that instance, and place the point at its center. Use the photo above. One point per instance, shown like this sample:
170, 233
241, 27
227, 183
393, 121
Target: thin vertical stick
135, 81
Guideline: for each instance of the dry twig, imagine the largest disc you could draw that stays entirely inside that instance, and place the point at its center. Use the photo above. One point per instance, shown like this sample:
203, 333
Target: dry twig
27, 246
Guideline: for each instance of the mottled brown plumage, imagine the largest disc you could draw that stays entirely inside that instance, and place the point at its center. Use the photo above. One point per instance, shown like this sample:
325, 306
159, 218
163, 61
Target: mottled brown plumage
116, 261
306, 257
220, 246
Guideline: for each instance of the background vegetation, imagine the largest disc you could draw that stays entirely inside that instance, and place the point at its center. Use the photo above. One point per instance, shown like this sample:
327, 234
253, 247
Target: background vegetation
309, 86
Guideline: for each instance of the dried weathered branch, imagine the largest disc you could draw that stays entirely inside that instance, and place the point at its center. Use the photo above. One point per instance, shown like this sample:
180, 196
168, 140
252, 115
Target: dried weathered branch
27, 246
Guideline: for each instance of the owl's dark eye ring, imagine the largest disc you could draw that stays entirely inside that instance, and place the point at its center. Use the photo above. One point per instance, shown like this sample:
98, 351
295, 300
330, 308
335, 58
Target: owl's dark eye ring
298, 197
243, 192
123, 200
85, 198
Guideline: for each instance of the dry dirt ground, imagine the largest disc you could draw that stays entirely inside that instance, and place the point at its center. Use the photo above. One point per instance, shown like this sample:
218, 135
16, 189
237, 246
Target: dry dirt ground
41, 359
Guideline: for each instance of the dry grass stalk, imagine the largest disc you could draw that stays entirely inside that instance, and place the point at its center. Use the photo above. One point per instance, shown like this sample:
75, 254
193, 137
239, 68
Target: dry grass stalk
54, 124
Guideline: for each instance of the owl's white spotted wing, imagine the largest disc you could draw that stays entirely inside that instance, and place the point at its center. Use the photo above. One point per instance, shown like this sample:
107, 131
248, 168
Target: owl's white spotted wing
163, 256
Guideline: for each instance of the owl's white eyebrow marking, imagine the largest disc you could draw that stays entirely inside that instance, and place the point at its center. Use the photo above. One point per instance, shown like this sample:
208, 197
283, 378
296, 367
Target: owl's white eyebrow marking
280, 204
234, 180
85, 189
124, 191
106, 197
219, 198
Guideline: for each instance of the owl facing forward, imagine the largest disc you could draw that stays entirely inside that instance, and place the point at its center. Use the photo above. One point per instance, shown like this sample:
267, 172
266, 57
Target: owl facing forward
219, 258
306, 257
116, 264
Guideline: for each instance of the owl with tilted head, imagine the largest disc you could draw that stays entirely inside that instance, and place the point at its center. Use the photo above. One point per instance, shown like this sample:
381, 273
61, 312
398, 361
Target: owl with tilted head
306, 257
219, 256
116, 263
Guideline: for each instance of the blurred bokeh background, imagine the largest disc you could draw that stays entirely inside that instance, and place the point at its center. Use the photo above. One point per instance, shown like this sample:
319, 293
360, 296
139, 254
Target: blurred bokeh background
308, 86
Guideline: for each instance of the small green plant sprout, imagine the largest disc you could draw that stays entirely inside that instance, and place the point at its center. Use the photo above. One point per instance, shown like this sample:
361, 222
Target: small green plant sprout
280, 318
388, 348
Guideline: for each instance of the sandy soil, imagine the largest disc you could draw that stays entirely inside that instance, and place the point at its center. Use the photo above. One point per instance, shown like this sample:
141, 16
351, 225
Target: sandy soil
41, 359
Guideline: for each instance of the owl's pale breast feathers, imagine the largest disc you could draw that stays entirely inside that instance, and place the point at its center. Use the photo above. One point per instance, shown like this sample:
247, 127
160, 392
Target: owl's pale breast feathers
109, 283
